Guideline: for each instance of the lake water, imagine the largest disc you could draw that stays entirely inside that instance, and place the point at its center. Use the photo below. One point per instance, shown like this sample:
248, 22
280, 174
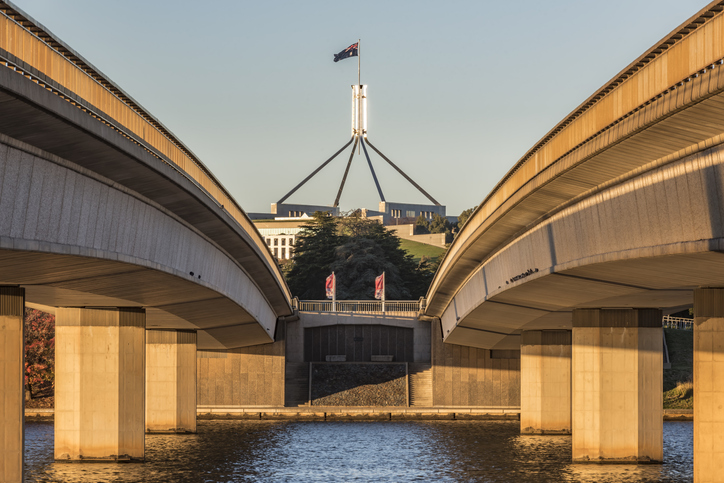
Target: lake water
289, 451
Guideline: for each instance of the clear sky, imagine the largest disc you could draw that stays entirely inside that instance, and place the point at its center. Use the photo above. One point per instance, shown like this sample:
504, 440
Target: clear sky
458, 90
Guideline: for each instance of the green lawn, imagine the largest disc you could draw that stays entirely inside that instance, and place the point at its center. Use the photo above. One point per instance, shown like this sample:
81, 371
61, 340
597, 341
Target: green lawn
678, 385
419, 250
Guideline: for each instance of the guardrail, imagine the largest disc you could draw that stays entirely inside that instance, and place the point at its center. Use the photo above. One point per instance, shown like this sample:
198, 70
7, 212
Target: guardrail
677, 323
398, 307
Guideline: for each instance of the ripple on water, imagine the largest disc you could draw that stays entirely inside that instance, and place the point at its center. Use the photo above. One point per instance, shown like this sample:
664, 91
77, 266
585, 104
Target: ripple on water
447, 451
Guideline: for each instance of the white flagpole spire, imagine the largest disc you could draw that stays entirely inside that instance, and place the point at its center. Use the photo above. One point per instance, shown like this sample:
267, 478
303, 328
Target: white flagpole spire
359, 91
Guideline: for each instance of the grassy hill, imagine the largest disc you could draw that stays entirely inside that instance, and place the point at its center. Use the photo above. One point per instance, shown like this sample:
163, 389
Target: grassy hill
418, 250
678, 381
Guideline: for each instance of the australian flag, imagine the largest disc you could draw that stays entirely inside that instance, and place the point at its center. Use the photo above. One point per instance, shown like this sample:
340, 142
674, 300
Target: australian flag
350, 51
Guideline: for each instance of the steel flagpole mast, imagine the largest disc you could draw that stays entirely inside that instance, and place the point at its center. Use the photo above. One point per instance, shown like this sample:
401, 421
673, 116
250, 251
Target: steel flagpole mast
359, 92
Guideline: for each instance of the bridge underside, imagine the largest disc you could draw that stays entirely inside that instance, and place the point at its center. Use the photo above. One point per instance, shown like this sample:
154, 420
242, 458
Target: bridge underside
612, 219
90, 216
547, 301
647, 241
171, 302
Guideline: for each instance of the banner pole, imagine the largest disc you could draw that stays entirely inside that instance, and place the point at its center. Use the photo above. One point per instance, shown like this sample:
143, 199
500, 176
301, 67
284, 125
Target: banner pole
384, 289
334, 292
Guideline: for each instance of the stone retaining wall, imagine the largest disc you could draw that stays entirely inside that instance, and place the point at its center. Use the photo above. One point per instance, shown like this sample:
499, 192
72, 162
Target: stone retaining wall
350, 384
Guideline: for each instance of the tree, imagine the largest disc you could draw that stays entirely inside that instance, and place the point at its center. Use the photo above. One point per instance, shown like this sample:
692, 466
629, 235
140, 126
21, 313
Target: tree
439, 224
422, 226
426, 270
464, 217
39, 352
314, 253
357, 250
368, 250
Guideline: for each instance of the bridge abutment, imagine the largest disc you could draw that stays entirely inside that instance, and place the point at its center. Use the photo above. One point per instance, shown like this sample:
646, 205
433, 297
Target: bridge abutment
12, 305
545, 381
617, 384
708, 384
99, 384
171, 381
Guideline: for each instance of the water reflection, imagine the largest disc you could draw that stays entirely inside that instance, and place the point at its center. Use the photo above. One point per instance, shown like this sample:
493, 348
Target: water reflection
449, 451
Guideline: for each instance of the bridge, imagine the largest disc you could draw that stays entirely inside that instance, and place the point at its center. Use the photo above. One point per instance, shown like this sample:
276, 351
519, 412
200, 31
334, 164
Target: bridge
614, 216
110, 222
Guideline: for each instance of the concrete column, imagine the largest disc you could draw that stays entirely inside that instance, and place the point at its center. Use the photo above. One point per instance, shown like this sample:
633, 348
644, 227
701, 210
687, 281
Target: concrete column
545, 382
171, 381
12, 402
99, 384
708, 385
617, 362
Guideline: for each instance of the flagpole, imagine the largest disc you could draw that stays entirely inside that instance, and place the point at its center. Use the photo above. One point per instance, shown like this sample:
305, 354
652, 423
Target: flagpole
334, 293
359, 97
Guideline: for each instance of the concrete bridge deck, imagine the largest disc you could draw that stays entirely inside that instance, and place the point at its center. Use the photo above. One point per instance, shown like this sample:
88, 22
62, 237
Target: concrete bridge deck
614, 217
91, 179
551, 294
112, 223
633, 168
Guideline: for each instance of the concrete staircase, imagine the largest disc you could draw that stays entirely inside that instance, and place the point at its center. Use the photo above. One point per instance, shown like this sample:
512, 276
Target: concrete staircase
296, 389
420, 384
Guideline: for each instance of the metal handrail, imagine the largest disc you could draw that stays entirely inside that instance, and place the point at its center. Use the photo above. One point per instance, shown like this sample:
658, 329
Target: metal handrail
670, 322
411, 307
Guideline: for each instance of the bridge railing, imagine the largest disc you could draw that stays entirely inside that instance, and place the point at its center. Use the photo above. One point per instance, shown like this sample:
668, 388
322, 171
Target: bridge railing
670, 322
409, 308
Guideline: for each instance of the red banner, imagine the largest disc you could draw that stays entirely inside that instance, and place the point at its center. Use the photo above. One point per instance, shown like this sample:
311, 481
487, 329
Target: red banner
380, 287
331, 286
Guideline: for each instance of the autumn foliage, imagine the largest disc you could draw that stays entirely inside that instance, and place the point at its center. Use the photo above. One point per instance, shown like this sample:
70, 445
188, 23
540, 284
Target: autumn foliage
39, 353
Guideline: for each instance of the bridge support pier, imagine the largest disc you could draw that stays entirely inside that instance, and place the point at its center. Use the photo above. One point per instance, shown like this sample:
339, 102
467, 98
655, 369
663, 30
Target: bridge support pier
99, 384
617, 363
708, 384
545, 382
171, 381
12, 405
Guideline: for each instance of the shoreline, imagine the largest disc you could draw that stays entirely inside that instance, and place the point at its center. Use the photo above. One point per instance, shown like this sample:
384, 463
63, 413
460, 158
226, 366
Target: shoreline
357, 414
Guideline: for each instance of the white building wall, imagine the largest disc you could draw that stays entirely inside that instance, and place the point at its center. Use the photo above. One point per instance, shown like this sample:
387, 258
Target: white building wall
281, 246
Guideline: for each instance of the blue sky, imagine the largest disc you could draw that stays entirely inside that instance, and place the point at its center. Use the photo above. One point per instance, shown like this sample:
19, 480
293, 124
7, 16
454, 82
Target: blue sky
458, 90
